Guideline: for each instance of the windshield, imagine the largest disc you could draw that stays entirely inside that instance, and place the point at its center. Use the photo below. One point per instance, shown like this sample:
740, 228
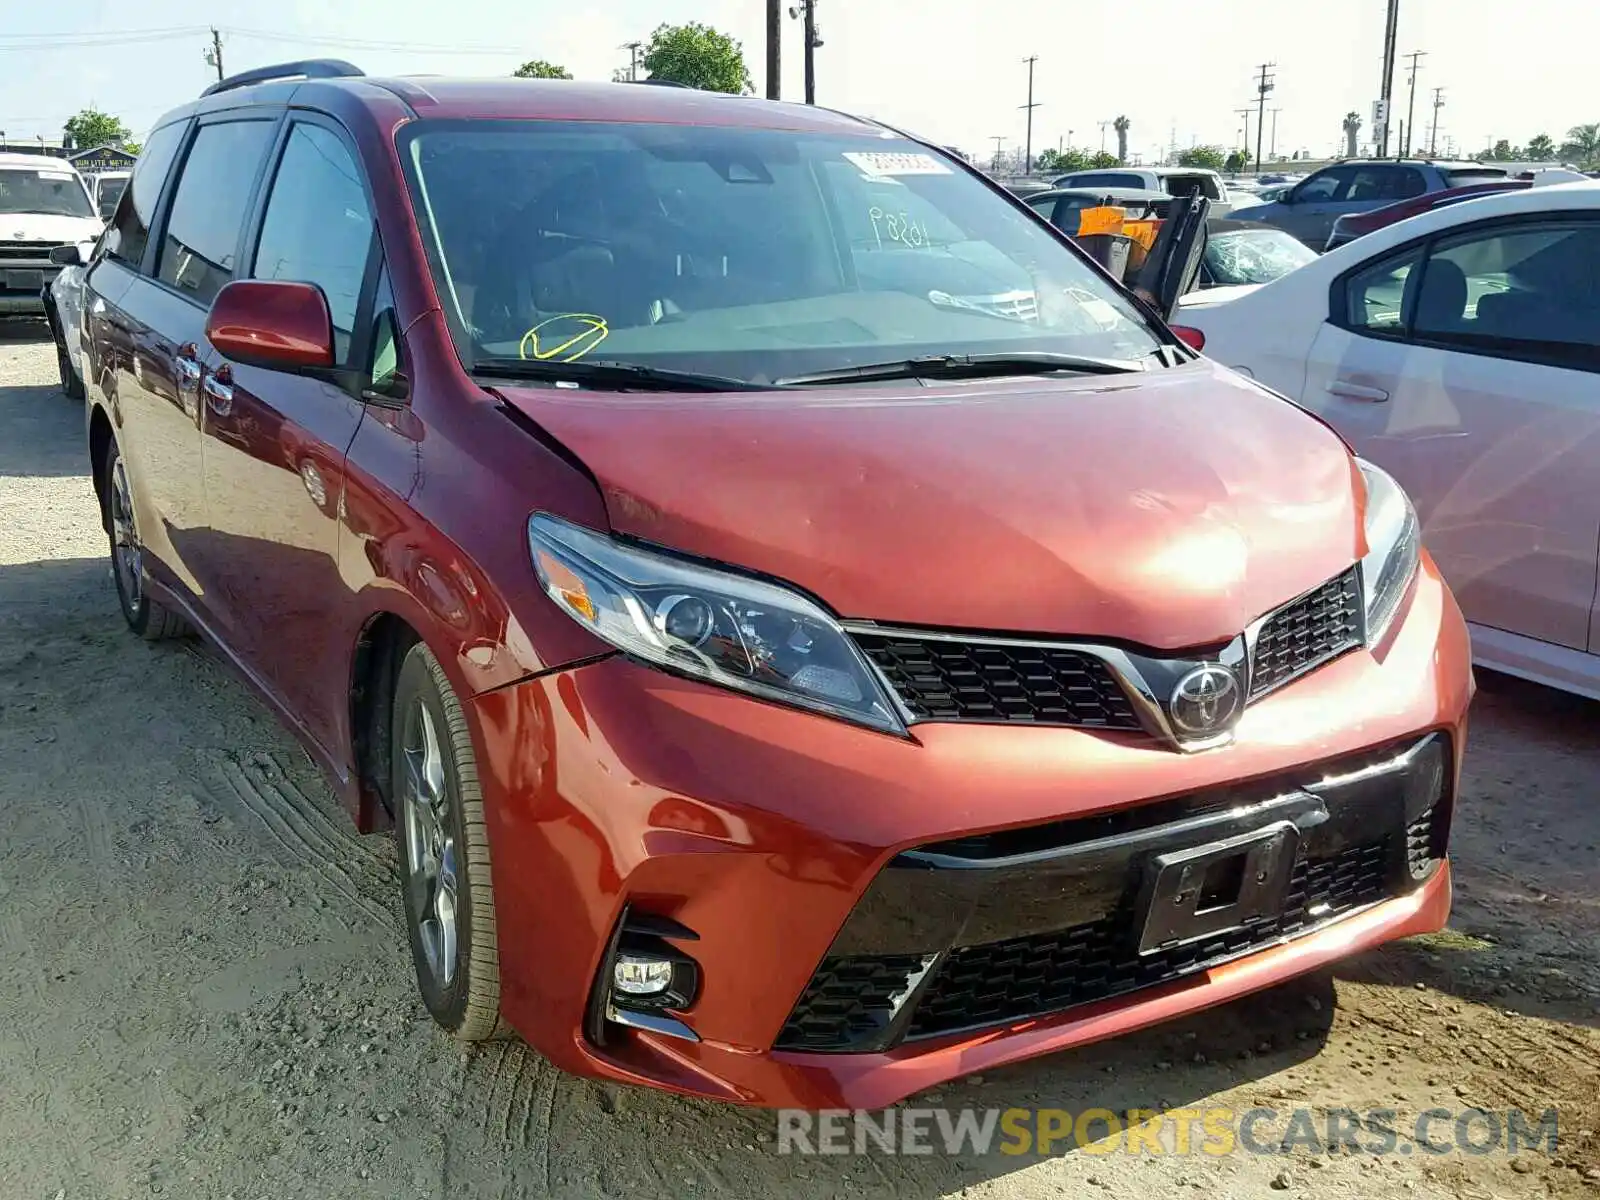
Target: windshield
1253, 256
747, 253
43, 191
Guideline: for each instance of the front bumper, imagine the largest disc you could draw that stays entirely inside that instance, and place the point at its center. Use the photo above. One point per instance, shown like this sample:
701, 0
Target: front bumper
787, 842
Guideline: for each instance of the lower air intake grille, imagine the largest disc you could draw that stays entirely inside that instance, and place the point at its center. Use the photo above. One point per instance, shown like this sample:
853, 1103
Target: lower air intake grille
849, 1002
981, 681
1307, 633
1027, 977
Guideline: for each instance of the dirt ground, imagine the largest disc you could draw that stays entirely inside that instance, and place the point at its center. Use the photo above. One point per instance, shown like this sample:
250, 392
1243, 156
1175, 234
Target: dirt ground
204, 990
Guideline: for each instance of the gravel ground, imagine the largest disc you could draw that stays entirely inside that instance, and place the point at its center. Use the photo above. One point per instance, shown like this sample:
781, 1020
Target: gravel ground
204, 991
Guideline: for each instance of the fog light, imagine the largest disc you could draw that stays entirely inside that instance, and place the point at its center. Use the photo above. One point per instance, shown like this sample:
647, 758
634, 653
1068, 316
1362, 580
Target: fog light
641, 975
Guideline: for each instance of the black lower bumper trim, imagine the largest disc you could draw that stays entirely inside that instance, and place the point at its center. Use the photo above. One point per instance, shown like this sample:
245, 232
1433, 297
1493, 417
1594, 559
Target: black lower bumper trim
979, 933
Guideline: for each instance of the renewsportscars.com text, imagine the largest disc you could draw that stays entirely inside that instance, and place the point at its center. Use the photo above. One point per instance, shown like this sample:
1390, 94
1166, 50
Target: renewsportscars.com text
1177, 1131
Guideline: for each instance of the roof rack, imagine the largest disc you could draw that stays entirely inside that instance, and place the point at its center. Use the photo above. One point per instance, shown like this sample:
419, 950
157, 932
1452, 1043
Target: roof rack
306, 68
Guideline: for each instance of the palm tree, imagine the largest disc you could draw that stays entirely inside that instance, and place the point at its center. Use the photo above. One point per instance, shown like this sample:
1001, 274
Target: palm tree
1352, 128
1122, 125
1583, 145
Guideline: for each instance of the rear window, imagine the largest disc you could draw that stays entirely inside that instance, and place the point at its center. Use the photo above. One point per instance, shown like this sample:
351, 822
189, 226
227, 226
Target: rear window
1115, 179
1465, 175
1188, 185
749, 253
45, 190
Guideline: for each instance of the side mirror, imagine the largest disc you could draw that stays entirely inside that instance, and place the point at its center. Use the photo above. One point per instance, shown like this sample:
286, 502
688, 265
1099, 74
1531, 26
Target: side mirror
71, 256
281, 326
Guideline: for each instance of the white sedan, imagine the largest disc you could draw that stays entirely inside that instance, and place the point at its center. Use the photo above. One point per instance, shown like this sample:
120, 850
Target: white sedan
1460, 350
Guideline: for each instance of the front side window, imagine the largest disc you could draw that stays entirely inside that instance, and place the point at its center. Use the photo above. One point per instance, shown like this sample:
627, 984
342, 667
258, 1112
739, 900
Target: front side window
44, 190
1325, 185
1371, 183
747, 253
318, 226
130, 229
1530, 286
197, 255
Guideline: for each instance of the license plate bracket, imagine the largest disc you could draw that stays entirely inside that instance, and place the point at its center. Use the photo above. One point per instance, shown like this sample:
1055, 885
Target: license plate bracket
1205, 890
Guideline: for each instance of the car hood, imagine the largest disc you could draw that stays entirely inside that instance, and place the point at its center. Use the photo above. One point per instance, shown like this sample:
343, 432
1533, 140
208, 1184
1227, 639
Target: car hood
42, 227
1167, 509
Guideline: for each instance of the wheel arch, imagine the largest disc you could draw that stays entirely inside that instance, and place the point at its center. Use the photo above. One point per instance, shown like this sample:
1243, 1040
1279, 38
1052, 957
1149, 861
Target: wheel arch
101, 438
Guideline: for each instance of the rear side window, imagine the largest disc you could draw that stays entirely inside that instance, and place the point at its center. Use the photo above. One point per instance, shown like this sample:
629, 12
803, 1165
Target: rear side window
197, 255
130, 229
1188, 185
318, 226
1375, 297
1325, 185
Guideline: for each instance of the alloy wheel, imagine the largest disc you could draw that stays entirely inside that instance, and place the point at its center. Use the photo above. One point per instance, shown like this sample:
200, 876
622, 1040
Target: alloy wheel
431, 853
126, 555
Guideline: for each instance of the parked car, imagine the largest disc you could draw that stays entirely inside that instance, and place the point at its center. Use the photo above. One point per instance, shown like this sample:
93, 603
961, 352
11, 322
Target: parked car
1174, 181
1353, 225
783, 692
43, 204
62, 301
1309, 208
1457, 350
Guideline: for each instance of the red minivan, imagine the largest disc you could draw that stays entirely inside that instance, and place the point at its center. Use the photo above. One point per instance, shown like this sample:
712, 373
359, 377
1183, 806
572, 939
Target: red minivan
812, 634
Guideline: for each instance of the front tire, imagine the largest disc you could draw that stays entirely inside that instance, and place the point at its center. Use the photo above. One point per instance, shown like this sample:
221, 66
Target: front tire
148, 618
443, 845
71, 385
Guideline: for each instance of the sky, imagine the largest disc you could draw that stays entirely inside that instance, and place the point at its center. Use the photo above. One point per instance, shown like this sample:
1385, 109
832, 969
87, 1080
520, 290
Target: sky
948, 70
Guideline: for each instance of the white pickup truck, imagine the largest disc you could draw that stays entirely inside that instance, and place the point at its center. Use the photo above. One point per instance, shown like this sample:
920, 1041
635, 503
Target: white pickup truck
43, 204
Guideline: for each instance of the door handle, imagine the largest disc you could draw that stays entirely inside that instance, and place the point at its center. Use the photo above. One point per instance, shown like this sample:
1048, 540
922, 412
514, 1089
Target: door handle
219, 392
1356, 391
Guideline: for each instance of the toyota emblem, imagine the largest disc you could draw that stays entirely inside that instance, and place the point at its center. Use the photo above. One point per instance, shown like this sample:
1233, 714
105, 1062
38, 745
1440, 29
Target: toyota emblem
1206, 701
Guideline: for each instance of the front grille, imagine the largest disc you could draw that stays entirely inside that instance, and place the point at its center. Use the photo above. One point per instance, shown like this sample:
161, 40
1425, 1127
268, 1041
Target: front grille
26, 252
849, 1001
978, 681
1319, 626
1033, 976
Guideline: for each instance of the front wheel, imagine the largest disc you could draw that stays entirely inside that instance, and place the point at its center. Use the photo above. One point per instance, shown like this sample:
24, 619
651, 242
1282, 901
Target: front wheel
71, 385
444, 852
147, 617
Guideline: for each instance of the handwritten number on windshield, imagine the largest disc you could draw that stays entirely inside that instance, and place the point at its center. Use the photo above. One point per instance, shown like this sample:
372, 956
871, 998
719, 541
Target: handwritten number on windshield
899, 228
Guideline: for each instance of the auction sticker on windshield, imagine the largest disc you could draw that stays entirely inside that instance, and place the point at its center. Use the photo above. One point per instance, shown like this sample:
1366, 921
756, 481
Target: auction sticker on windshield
876, 165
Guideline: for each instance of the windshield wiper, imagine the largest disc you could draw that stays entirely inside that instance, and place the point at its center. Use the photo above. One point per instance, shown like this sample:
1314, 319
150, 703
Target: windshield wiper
968, 366
607, 374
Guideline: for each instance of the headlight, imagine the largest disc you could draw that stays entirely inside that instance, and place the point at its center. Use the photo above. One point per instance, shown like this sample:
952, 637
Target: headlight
723, 628
1394, 548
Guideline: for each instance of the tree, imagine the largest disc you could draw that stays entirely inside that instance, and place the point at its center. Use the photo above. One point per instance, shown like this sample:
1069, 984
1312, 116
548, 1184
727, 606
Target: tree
1582, 145
1352, 129
699, 56
1237, 160
1101, 159
1059, 162
1211, 158
1122, 125
538, 68
92, 128
1541, 148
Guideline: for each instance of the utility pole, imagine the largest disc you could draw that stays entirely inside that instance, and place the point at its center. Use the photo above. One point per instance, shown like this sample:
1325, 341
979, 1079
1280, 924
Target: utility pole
1274, 149
633, 59
1263, 85
807, 9
1027, 153
998, 142
1411, 108
214, 55
1245, 113
1104, 125
1433, 136
774, 49
1386, 89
